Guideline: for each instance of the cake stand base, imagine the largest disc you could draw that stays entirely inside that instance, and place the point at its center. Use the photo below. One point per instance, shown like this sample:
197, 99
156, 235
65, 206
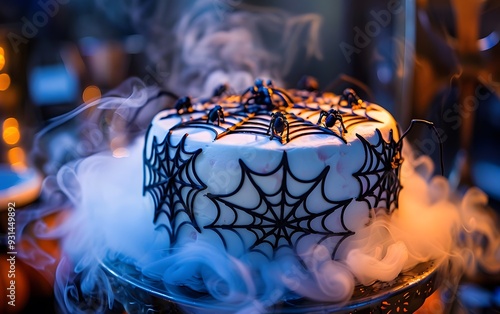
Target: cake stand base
405, 294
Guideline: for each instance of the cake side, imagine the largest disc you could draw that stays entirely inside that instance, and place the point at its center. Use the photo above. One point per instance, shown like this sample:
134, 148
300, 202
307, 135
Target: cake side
271, 181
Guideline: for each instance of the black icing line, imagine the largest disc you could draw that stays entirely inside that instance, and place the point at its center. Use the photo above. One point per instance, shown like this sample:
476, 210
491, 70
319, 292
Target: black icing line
279, 222
377, 165
171, 169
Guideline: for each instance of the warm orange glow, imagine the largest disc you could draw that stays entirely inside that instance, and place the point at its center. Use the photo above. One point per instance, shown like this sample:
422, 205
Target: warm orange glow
2, 58
4, 81
120, 152
91, 93
17, 158
15, 154
10, 99
22, 284
11, 135
117, 147
10, 122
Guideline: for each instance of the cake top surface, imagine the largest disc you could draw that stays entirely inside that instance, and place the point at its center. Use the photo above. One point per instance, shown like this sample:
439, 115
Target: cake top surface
271, 117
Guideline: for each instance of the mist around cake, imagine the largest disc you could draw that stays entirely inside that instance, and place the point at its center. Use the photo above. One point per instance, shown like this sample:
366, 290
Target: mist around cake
106, 216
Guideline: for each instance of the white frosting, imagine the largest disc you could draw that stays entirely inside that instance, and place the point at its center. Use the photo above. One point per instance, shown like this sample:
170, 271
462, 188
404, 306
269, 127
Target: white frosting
218, 167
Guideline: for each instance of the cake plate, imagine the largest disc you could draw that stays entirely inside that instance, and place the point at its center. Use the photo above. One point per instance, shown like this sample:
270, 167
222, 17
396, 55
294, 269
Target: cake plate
405, 294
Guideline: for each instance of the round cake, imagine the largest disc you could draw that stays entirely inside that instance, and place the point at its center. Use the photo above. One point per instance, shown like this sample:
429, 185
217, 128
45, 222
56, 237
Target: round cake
258, 201
248, 202
271, 173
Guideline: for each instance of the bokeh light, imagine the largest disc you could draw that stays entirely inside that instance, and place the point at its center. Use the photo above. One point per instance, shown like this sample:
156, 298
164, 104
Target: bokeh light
2, 58
91, 93
120, 152
4, 81
11, 135
10, 131
10, 122
2, 61
17, 158
117, 145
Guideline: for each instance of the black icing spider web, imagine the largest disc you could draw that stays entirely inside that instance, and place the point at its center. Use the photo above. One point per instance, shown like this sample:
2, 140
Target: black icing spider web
170, 178
379, 176
280, 218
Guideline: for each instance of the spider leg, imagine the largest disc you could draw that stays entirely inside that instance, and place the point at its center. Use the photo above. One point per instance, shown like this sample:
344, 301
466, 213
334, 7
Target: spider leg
247, 102
244, 93
283, 95
287, 125
353, 101
272, 135
343, 126
321, 115
340, 100
269, 128
431, 126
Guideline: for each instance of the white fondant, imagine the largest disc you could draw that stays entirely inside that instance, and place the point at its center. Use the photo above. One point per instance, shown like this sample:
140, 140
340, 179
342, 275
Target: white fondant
218, 164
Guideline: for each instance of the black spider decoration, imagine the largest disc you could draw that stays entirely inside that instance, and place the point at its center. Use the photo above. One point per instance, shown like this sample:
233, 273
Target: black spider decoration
221, 90
216, 113
332, 117
277, 126
183, 105
300, 118
263, 94
352, 98
308, 83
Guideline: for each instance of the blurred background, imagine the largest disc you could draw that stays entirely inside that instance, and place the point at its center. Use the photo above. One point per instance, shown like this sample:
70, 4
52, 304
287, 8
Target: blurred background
435, 60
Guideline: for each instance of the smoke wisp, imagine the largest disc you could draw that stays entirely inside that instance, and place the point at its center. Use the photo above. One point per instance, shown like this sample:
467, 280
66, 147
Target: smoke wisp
103, 216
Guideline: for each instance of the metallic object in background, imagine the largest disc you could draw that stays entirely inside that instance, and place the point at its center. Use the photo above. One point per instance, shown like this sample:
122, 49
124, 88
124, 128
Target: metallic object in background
456, 83
467, 15
457, 63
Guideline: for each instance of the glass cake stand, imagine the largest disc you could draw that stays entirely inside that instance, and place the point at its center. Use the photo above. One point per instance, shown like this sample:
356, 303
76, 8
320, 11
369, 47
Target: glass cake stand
405, 294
